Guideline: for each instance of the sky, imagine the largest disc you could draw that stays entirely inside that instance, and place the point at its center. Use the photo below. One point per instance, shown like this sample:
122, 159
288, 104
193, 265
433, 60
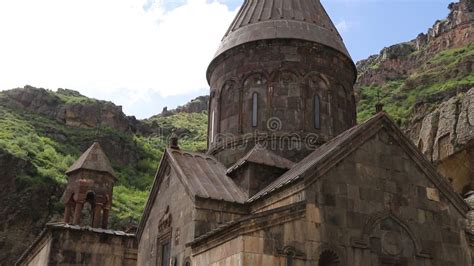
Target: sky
147, 54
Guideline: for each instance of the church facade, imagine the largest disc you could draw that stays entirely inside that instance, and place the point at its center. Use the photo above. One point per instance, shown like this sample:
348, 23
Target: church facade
289, 177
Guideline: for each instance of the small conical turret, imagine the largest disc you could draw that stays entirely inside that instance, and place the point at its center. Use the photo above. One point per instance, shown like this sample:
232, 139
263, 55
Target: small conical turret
88, 195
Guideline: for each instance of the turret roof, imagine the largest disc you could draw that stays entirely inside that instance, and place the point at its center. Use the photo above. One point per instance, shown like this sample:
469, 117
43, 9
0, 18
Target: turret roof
93, 159
282, 19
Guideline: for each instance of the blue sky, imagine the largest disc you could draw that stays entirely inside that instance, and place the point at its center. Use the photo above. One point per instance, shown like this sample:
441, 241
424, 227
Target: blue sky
147, 54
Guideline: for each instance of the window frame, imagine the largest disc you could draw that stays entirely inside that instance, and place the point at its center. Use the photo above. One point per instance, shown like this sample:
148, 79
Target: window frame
317, 111
254, 109
161, 241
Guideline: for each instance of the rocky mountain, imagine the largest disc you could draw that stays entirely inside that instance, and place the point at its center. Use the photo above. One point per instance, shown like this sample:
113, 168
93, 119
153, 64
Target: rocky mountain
427, 85
197, 105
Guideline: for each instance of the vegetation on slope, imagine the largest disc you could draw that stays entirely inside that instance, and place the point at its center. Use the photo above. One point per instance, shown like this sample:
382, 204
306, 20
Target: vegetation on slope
439, 74
52, 147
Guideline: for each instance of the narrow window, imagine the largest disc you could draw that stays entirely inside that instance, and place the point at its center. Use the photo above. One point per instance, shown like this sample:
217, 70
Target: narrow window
254, 109
165, 253
317, 112
212, 126
289, 258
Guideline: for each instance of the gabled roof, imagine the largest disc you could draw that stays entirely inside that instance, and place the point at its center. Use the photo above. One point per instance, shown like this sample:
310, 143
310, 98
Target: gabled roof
93, 159
201, 175
204, 176
338, 148
282, 19
261, 155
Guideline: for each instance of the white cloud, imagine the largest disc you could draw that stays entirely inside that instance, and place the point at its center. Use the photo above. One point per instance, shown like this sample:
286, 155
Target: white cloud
343, 26
110, 45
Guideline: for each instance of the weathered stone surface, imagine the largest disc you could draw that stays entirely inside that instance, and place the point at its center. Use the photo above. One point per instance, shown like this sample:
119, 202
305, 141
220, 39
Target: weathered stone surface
84, 115
465, 121
66, 245
295, 72
196, 105
446, 137
21, 206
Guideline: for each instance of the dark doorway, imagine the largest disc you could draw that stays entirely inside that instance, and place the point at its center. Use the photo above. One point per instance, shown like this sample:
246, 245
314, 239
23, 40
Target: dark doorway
329, 258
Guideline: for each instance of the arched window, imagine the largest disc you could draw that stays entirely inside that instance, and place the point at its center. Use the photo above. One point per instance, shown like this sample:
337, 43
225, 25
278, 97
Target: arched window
254, 109
187, 262
289, 258
317, 112
328, 258
88, 209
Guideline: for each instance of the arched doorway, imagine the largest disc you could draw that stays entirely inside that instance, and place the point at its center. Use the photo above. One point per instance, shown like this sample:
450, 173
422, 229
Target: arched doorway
329, 258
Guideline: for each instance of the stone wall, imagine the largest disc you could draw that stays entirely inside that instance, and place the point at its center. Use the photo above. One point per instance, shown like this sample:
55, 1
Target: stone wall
65, 245
178, 217
170, 217
285, 76
379, 206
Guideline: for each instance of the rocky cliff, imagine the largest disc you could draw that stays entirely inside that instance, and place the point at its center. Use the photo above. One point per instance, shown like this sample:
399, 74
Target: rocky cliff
427, 85
68, 107
197, 105
24, 208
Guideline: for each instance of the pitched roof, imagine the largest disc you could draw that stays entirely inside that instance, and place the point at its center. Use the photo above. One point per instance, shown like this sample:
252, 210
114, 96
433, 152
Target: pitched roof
261, 155
201, 175
336, 150
204, 176
93, 159
282, 19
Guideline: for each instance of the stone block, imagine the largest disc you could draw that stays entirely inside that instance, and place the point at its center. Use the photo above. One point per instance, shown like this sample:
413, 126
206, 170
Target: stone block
432, 194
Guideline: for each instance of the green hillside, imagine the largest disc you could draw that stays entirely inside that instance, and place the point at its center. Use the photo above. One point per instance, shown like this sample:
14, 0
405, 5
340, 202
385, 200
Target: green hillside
52, 147
436, 74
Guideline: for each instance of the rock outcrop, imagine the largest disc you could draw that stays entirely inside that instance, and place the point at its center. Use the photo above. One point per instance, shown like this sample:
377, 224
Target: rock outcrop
394, 63
73, 109
196, 105
434, 73
25, 209
446, 137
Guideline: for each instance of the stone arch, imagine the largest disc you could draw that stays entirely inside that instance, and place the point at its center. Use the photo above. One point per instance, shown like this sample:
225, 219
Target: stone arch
375, 221
69, 205
228, 108
343, 102
316, 84
187, 262
87, 211
329, 258
330, 255
254, 83
286, 99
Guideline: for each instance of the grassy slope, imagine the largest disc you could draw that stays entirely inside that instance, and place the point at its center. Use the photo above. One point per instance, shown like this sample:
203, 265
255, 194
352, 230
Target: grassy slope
28, 135
436, 75
32, 137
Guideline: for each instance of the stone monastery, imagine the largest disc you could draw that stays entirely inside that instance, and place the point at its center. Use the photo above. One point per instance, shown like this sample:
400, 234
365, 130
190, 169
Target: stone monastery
289, 178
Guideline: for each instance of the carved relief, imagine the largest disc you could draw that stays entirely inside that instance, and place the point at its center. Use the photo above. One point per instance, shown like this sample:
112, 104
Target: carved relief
386, 235
165, 221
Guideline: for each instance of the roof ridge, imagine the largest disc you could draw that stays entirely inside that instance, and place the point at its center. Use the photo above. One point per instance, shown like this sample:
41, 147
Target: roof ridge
94, 159
276, 160
317, 154
282, 19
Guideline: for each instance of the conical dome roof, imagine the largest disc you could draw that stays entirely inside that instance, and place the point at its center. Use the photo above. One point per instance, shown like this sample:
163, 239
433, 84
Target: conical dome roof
93, 159
282, 19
